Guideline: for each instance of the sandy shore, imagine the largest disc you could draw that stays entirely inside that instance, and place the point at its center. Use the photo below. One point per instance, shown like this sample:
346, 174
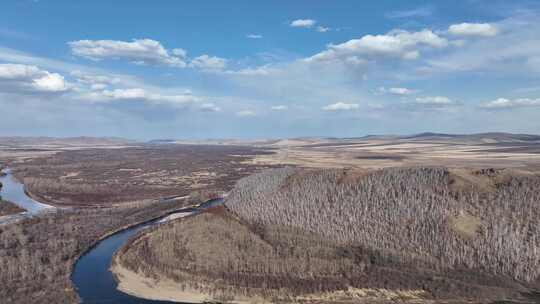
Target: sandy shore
139, 286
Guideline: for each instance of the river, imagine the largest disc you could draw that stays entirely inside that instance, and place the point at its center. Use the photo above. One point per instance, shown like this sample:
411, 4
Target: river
13, 191
91, 276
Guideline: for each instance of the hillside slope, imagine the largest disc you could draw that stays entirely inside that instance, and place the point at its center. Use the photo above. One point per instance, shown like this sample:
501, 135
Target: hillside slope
344, 236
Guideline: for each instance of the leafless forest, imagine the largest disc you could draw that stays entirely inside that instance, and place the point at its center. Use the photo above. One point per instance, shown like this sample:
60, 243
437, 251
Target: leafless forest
408, 213
37, 254
455, 234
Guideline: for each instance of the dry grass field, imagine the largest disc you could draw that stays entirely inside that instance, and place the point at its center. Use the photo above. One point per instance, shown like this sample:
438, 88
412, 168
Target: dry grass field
470, 151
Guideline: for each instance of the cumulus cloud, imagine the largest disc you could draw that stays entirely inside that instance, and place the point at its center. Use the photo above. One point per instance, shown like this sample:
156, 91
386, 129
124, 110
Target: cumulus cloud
341, 106
397, 43
254, 36
139, 51
142, 95
21, 77
50, 82
209, 107
473, 29
280, 108
246, 113
95, 81
512, 52
432, 103
210, 63
435, 101
322, 29
305, 23
506, 104
252, 71
10, 71
144, 51
397, 91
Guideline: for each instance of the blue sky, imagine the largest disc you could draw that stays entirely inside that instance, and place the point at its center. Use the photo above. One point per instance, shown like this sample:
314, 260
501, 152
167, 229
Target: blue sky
245, 69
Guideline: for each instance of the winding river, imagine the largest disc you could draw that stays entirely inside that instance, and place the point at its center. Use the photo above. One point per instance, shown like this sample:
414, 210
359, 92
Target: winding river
13, 191
91, 276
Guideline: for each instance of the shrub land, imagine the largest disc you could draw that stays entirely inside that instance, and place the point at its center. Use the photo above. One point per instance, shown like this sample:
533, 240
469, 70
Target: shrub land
91, 177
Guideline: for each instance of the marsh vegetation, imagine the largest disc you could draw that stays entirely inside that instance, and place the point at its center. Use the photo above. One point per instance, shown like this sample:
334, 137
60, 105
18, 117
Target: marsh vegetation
100, 177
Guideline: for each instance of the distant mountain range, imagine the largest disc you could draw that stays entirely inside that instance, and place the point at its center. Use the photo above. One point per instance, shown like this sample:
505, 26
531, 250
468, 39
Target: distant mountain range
489, 137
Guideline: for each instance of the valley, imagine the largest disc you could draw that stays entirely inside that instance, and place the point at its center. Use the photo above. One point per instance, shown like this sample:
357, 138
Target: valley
423, 219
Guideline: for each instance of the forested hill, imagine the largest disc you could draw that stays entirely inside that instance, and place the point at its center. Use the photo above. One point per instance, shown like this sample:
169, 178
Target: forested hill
484, 221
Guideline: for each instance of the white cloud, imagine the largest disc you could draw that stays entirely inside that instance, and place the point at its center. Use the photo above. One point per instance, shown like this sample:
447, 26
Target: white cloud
179, 52
139, 94
473, 29
50, 82
401, 91
140, 51
341, 106
205, 62
144, 51
246, 113
98, 86
280, 108
256, 71
396, 91
95, 81
254, 36
135, 93
397, 43
505, 104
10, 71
417, 12
306, 23
512, 52
209, 107
322, 29
21, 77
435, 101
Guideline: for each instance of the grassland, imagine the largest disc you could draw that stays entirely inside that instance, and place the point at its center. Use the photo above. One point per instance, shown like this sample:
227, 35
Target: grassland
490, 150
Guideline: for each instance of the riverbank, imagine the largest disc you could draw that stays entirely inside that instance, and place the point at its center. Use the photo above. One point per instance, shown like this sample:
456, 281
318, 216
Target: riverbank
138, 285
40, 252
141, 286
15, 191
8, 208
